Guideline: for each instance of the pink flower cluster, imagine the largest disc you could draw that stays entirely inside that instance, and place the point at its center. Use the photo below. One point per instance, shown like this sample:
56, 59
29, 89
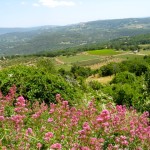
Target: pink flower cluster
20, 105
48, 136
60, 126
56, 146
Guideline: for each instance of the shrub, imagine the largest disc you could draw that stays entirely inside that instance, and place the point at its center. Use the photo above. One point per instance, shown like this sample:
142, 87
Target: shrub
34, 83
95, 85
123, 94
124, 77
136, 66
80, 71
110, 69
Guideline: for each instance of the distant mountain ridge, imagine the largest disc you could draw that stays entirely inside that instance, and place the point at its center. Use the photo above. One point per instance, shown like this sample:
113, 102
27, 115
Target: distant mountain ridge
22, 29
33, 40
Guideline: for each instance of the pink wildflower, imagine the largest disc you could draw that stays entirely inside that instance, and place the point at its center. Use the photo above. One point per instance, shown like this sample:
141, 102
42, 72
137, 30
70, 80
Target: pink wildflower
52, 106
39, 145
2, 118
86, 126
65, 103
85, 148
93, 140
58, 97
29, 130
106, 124
56, 146
62, 136
50, 120
20, 102
99, 119
101, 140
48, 136
105, 113
125, 142
17, 119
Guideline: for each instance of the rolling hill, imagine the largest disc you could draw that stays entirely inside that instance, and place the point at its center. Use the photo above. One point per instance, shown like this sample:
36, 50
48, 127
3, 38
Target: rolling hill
49, 38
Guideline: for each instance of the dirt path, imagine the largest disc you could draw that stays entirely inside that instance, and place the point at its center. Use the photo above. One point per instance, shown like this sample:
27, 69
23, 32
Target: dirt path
105, 62
59, 61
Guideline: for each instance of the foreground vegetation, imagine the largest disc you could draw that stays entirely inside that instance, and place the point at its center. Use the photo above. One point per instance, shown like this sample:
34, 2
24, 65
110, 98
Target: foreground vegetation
60, 126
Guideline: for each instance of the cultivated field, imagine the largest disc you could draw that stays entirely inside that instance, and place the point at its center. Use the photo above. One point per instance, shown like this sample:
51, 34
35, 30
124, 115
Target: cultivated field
104, 52
77, 58
93, 59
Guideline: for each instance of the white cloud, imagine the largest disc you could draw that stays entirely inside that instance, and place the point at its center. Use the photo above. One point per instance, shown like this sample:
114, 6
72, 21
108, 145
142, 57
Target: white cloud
36, 5
56, 3
23, 3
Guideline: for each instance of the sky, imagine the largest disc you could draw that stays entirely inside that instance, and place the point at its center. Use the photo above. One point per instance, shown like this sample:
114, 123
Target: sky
30, 13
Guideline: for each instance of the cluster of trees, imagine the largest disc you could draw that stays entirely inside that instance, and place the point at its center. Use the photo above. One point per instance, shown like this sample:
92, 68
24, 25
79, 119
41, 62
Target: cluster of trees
134, 66
131, 83
129, 43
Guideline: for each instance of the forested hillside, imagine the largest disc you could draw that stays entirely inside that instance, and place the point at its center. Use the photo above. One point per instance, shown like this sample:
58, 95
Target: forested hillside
58, 38
130, 43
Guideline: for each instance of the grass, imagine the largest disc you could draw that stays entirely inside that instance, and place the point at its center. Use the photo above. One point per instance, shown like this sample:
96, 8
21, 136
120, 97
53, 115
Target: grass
146, 52
129, 56
77, 58
66, 67
104, 52
102, 80
93, 59
29, 61
144, 45
18, 61
88, 62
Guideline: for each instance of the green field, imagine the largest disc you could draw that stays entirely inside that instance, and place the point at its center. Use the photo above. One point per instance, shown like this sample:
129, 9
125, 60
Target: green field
82, 59
144, 45
88, 62
104, 52
77, 58
18, 61
129, 56
29, 61
145, 52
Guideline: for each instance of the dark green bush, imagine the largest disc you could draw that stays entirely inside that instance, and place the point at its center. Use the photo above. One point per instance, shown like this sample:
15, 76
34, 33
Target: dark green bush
110, 69
80, 71
132, 94
123, 94
35, 84
138, 67
124, 77
133, 66
95, 85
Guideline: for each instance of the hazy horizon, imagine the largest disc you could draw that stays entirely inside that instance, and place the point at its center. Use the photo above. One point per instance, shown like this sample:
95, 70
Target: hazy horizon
72, 23
35, 13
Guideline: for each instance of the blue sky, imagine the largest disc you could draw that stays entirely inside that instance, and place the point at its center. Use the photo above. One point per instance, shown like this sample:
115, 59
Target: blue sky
29, 13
